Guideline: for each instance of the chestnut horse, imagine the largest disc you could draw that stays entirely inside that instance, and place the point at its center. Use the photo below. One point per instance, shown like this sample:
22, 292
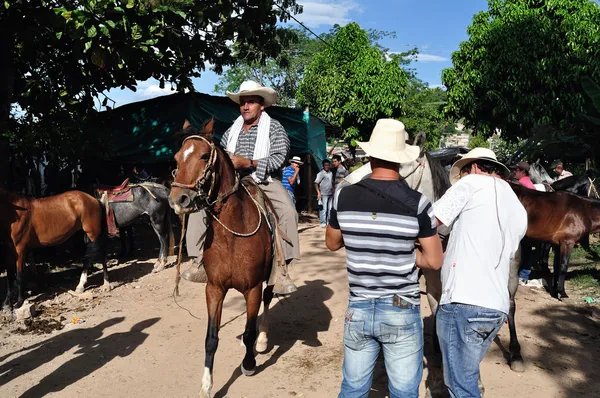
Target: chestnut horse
562, 219
238, 246
28, 223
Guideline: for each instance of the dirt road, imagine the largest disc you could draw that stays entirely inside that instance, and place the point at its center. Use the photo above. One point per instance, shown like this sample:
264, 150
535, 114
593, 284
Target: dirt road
135, 341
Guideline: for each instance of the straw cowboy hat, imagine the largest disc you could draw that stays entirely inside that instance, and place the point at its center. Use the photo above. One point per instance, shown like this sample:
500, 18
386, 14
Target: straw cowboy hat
250, 87
388, 142
470, 157
296, 159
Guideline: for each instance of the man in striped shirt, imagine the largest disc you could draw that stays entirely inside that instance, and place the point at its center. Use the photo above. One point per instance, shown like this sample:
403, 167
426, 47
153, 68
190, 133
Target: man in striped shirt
379, 220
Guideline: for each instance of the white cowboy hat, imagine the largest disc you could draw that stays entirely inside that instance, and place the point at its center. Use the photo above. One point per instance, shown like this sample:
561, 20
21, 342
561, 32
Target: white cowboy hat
296, 159
250, 87
388, 142
470, 157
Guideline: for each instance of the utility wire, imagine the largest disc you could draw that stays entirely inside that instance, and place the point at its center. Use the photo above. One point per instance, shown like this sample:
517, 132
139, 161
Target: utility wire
304, 26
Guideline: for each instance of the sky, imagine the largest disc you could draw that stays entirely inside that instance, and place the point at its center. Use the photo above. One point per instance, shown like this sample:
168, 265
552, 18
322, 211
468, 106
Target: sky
435, 27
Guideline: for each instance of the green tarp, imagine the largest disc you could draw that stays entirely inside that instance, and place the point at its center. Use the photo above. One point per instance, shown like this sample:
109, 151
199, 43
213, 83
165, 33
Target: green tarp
142, 132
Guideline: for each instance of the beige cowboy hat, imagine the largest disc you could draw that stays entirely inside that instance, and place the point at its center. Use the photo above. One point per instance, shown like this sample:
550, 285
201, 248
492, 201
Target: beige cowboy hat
470, 157
250, 87
388, 142
296, 159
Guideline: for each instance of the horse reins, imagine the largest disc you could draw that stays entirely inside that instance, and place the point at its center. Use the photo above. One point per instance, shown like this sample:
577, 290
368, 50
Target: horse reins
209, 172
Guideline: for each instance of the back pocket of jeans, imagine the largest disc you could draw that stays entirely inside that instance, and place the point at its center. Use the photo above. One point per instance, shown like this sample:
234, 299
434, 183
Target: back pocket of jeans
354, 335
479, 329
395, 333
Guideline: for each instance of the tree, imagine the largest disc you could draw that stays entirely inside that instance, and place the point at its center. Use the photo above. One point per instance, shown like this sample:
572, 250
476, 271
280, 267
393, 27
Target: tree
423, 111
521, 67
282, 73
352, 83
61, 56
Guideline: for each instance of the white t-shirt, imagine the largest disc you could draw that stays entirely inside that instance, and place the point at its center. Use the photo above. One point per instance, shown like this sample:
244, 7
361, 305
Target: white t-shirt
489, 223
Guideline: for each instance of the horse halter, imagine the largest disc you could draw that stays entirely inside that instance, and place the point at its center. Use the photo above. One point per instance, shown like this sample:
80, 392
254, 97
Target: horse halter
207, 173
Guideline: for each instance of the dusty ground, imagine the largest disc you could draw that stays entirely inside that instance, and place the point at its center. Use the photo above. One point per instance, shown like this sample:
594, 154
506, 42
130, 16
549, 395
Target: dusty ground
136, 341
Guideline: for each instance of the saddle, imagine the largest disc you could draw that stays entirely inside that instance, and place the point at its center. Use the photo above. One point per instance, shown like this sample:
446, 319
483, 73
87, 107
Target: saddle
269, 214
120, 193
109, 194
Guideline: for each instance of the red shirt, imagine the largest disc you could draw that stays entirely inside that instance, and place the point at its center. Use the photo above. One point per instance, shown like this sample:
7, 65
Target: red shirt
526, 182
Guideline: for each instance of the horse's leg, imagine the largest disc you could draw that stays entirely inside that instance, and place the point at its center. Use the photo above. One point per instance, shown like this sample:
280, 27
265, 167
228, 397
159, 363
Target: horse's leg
10, 280
21, 254
122, 237
433, 287
160, 228
214, 302
131, 240
253, 298
516, 360
84, 277
263, 342
556, 269
565, 255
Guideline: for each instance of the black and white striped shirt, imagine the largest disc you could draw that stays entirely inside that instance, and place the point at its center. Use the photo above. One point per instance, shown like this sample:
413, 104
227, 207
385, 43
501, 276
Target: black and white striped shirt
380, 237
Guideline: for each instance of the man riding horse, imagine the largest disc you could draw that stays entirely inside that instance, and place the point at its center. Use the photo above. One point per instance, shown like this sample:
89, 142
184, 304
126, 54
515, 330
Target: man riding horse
258, 146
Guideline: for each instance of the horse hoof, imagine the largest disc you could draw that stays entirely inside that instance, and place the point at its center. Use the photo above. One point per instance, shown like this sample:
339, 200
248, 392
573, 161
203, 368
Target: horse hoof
517, 366
79, 290
204, 394
246, 372
158, 268
261, 346
106, 287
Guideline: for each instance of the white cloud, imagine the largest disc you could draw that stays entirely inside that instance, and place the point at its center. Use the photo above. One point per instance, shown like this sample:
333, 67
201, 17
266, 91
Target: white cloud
437, 86
327, 12
430, 58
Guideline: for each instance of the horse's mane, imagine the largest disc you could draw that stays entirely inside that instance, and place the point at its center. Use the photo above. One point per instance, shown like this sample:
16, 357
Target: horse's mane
439, 176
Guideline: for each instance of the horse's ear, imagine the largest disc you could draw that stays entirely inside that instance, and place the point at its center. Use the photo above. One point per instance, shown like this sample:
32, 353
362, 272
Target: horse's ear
186, 124
208, 129
420, 139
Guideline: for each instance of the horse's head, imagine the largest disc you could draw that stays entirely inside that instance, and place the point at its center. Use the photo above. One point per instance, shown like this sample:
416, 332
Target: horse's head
194, 177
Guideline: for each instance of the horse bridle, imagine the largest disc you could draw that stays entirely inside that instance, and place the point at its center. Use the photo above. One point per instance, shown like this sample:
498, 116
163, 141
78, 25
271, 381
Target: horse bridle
209, 172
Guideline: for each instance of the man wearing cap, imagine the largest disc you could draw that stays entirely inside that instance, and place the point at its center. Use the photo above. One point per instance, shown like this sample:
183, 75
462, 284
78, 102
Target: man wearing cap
258, 146
521, 174
379, 220
488, 223
559, 170
291, 179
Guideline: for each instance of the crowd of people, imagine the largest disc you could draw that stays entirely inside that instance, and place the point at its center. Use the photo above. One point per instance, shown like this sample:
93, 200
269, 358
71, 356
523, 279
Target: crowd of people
389, 232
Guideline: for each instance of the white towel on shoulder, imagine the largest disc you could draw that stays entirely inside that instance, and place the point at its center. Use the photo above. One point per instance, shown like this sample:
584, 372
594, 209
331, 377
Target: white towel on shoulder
262, 146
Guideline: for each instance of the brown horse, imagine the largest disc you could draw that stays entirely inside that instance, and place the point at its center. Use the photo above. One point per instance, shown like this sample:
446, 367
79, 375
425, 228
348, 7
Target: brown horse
238, 246
562, 219
28, 223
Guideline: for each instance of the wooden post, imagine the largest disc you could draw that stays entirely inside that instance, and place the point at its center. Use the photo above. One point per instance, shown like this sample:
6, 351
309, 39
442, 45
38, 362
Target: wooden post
309, 182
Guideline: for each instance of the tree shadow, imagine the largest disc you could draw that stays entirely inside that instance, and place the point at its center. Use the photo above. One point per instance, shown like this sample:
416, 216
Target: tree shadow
94, 352
297, 318
567, 345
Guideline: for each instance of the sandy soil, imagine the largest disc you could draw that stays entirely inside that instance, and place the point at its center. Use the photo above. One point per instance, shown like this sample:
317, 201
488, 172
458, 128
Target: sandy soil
136, 341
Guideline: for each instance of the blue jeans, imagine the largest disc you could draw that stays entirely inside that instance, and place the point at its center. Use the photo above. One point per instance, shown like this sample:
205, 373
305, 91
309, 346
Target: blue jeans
291, 195
371, 323
327, 201
465, 333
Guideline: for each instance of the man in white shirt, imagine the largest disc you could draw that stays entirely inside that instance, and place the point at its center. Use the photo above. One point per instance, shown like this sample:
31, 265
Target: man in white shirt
559, 170
488, 223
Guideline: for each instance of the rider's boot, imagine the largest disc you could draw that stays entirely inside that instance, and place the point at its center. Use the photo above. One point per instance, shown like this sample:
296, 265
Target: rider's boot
283, 283
196, 272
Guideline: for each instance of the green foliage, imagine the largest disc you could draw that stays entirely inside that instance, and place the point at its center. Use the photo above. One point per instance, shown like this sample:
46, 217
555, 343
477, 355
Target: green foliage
351, 83
60, 56
422, 111
282, 73
521, 67
478, 141
503, 149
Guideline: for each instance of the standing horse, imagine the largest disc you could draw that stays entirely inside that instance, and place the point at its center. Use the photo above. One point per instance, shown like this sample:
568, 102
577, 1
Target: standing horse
153, 200
28, 223
238, 247
562, 219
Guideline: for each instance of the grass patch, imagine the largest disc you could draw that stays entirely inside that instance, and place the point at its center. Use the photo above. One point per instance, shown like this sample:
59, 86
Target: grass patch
586, 280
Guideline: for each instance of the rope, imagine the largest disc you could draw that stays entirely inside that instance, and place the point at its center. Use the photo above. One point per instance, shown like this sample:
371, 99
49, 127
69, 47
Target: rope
178, 267
258, 208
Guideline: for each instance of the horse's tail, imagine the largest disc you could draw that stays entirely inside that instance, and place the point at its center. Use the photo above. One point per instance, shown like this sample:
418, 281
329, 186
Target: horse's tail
95, 252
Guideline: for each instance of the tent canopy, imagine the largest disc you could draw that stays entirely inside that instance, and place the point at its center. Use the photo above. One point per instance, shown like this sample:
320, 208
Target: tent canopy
142, 132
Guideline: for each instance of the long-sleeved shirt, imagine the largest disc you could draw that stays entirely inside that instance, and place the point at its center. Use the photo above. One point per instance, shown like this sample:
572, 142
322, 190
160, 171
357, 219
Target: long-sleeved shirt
280, 146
